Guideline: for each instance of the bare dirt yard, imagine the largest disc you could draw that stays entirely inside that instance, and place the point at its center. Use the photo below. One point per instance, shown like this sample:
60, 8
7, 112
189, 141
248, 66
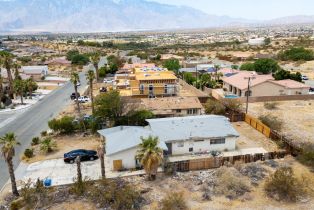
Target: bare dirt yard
249, 137
297, 118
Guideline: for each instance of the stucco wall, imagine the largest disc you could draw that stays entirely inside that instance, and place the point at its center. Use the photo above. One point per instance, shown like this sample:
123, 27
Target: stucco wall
127, 157
202, 146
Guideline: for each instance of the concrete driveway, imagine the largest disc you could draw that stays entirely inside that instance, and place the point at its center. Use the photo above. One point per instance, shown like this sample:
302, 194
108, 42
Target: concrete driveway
60, 172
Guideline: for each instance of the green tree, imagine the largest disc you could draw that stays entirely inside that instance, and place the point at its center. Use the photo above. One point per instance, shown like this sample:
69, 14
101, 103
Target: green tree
247, 66
234, 66
90, 76
19, 88
70, 54
8, 143
31, 86
150, 156
109, 105
80, 59
283, 74
266, 66
172, 64
267, 41
188, 77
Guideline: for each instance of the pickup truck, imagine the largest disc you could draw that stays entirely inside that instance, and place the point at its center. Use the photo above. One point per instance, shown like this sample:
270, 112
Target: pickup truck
83, 99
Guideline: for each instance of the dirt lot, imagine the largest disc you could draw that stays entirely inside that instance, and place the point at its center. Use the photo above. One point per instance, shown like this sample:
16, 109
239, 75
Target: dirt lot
249, 137
65, 144
297, 117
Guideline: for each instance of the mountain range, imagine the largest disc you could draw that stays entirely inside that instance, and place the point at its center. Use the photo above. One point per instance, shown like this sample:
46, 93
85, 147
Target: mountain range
113, 15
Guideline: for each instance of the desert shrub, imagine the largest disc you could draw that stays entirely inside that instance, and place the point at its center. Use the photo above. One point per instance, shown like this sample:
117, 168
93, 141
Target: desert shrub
37, 196
230, 183
17, 204
28, 153
283, 185
270, 105
173, 201
117, 194
306, 156
214, 107
233, 104
35, 141
48, 145
271, 121
64, 125
43, 133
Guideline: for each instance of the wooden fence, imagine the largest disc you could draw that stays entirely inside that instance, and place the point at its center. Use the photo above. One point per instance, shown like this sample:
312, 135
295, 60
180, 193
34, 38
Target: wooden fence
216, 162
258, 125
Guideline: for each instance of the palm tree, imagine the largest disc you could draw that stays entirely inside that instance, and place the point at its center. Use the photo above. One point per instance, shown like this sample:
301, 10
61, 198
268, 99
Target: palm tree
1, 89
95, 60
19, 88
79, 170
90, 76
75, 79
101, 153
48, 145
217, 68
8, 143
31, 85
16, 67
7, 64
150, 156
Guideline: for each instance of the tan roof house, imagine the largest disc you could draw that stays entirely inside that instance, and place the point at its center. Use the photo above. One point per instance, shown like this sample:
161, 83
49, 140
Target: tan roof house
262, 85
173, 106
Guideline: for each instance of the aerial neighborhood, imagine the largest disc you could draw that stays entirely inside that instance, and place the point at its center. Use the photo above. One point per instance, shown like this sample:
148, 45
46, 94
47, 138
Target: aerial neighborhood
165, 117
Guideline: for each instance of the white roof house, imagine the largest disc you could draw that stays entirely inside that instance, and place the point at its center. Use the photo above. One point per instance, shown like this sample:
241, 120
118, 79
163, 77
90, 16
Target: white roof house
177, 136
32, 70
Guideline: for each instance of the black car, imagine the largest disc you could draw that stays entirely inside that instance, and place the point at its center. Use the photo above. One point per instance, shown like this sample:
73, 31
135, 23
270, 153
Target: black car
84, 155
73, 96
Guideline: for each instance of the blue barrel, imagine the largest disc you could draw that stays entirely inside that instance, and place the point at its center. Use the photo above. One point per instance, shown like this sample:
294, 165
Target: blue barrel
47, 182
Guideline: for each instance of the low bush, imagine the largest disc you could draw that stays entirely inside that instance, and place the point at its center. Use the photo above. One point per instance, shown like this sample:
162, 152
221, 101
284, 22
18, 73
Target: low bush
173, 201
48, 145
271, 121
270, 105
233, 105
29, 153
306, 156
35, 141
43, 133
230, 183
283, 185
64, 125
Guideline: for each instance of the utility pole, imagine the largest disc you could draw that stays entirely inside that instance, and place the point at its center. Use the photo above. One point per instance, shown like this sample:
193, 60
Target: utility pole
248, 91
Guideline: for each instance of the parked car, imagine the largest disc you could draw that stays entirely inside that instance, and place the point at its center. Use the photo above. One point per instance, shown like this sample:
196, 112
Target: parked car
83, 99
84, 155
304, 77
108, 81
73, 96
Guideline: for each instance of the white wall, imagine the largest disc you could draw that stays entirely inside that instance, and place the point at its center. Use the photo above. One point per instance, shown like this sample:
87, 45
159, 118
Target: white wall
127, 157
202, 146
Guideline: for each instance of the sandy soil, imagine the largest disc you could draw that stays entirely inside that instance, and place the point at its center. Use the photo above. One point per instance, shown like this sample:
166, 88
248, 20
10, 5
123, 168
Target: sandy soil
249, 137
65, 144
297, 116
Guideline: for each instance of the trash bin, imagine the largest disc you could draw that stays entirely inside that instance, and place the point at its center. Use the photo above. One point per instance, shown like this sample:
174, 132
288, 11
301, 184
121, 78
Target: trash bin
47, 182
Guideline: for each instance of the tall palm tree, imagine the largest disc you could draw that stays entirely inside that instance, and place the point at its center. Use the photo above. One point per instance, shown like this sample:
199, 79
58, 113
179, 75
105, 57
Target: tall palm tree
95, 60
90, 76
16, 67
8, 143
19, 88
150, 156
75, 79
7, 63
217, 68
101, 153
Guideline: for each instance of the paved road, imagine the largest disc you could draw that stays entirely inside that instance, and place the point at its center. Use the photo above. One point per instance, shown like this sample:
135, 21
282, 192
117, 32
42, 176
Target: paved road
34, 120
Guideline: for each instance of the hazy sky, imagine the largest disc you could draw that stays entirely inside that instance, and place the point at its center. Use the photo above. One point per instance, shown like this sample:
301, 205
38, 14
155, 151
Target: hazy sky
250, 9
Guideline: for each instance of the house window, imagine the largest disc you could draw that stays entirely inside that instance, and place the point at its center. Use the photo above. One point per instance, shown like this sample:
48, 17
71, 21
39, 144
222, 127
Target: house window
191, 149
192, 111
218, 141
180, 144
246, 93
141, 89
178, 111
199, 140
240, 93
166, 89
230, 88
